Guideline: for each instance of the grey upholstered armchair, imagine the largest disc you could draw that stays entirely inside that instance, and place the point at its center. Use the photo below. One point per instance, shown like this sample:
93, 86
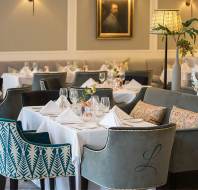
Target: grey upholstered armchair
133, 158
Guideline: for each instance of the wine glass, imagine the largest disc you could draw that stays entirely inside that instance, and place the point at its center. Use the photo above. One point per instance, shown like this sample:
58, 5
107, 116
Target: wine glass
102, 77
63, 92
95, 101
73, 94
105, 102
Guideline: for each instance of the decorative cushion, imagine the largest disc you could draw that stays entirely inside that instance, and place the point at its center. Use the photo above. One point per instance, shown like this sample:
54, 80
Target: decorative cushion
147, 112
183, 118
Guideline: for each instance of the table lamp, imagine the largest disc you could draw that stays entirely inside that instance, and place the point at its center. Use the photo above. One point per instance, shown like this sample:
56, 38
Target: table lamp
172, 20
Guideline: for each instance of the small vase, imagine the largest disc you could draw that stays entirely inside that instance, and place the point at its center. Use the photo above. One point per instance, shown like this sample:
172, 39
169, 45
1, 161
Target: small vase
176, 74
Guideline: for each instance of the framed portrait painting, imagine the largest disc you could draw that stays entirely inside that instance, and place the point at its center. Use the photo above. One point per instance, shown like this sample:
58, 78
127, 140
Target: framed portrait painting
114, 19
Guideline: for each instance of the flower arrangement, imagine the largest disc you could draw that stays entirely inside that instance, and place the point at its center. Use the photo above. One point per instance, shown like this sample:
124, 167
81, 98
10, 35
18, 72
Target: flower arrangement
85, 103
116, 69
87, 92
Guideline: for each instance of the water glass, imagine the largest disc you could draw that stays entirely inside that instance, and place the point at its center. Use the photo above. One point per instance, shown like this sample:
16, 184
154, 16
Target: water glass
87, 114
102, 77
105, 102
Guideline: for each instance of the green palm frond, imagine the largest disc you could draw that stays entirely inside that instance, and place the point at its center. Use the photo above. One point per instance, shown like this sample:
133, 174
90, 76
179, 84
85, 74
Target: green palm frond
189, 22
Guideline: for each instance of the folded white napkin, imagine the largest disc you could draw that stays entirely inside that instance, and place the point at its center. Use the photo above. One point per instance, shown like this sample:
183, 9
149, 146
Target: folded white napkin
133, 84
51, 108
68, 116
89, 83
62, 102
115, 118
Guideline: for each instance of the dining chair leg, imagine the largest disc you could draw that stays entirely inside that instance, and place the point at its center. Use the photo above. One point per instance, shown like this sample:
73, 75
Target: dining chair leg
84, 183
42, 184
14, 184
72, 182
2, 182
52, 183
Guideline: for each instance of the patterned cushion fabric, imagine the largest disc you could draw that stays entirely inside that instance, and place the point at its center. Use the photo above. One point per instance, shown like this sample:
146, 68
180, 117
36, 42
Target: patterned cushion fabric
183, 118
148, 112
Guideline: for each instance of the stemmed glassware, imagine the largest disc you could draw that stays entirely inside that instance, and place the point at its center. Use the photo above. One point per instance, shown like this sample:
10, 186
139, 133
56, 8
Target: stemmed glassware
105, 102
63, 95
63, 92
73, 94
102, 77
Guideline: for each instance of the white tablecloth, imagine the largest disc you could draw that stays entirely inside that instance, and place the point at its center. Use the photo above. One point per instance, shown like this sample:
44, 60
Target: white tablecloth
15, 80
60, 134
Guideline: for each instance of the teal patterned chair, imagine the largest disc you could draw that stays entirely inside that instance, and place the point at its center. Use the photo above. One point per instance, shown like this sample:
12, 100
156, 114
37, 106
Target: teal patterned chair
23, 157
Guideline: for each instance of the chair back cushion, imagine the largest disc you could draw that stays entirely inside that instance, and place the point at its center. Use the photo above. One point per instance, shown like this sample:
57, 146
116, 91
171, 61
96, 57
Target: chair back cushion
143, 77
51, 84
82, 77
38, 76
39, 98
11, 106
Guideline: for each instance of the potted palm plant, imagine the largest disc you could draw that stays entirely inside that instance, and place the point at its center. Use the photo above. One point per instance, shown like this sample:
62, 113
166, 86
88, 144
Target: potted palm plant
185, 40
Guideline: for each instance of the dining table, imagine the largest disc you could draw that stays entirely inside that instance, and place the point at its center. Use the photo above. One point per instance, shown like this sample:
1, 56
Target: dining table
78, 135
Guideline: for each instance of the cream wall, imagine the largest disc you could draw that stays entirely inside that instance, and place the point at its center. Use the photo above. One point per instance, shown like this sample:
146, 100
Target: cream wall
47, 35
20, 31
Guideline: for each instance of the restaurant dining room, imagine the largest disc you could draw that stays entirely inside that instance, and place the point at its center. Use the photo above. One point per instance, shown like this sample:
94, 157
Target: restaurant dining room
98, 95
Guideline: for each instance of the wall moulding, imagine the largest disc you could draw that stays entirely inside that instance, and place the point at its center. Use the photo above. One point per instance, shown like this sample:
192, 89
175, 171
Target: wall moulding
84, 55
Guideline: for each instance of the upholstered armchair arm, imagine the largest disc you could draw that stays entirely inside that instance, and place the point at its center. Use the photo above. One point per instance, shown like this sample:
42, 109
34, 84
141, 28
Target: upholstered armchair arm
185, 151
128, 107
93, 163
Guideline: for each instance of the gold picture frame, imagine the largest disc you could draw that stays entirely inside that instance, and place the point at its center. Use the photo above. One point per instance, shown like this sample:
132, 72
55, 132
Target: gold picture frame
114, 19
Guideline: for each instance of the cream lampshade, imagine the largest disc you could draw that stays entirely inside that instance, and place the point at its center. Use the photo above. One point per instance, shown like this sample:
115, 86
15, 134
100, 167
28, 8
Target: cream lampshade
168, 18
